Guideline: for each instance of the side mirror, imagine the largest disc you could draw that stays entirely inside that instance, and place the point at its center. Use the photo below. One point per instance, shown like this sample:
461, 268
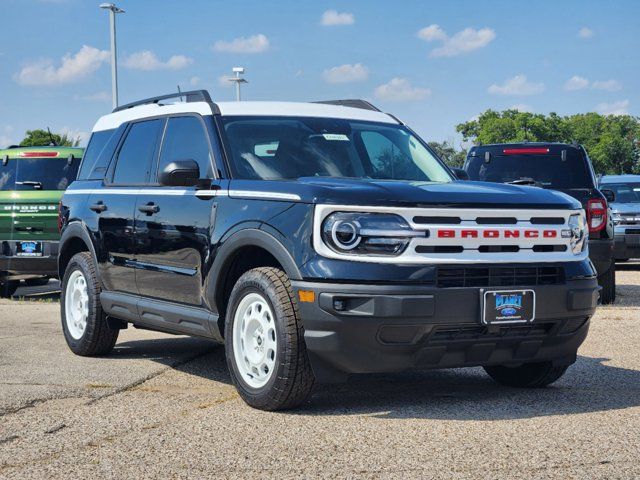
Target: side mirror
609, 195
460, 173
181, 173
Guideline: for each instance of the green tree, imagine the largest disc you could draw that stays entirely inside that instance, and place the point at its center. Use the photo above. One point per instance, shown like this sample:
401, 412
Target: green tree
612, 141
447, 152
41, 138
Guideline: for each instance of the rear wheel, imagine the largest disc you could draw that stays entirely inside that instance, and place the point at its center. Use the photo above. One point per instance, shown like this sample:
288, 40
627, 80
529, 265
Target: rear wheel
85, 325
529, 375
608, 283
8, 288
264, 342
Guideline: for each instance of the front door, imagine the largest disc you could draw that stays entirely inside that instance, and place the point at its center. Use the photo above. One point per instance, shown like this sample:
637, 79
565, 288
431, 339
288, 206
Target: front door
173, 224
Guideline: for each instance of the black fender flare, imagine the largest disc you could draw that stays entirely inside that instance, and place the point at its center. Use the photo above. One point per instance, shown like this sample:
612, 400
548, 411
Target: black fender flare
249, 237
71, 232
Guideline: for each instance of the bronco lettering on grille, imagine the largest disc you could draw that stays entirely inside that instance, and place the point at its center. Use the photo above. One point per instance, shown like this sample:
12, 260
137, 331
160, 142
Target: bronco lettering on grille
510, 233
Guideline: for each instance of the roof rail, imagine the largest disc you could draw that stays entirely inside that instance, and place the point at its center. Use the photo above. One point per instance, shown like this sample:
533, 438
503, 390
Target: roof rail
353, 103
192, 96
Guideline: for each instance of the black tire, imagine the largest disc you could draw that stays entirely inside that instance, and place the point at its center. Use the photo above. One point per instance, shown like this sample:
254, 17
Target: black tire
608, 283
529, 375
8, 288
37, 282
292, 379
98, 337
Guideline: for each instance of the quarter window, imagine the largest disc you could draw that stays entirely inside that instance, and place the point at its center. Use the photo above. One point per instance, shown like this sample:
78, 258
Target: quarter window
185, 139
137, 152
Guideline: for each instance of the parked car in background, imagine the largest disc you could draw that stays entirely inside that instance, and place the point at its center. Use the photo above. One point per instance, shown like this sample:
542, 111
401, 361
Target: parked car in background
556, 166
625, 210
32, 180
316, 241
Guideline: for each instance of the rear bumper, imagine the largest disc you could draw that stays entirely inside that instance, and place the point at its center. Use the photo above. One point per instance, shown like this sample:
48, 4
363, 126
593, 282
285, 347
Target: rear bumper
626, 246
391, 328
601, 254
16, 267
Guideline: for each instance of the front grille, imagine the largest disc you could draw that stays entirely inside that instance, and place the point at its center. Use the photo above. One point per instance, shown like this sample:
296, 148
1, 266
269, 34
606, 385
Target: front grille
632, 231
448, 334
459, 277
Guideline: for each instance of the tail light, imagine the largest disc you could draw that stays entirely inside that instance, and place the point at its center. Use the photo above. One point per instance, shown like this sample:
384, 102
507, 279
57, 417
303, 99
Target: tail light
525, 151
596, 214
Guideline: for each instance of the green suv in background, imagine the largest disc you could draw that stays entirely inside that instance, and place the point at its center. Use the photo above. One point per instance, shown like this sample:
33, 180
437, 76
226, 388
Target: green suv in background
32, 181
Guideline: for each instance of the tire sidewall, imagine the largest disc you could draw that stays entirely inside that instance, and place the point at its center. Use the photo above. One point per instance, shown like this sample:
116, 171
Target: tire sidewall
79, 262
259, 284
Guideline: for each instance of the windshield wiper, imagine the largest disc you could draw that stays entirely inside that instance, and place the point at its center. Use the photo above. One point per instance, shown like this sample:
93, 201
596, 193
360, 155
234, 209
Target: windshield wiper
526, 181
31, 183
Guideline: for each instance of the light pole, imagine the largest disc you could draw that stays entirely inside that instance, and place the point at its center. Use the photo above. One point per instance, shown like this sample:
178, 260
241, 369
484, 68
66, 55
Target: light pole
113, 9
238, 80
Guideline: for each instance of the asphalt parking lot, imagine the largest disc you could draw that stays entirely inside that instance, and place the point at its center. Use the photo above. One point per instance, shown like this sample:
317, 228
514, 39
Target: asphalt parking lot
162, 407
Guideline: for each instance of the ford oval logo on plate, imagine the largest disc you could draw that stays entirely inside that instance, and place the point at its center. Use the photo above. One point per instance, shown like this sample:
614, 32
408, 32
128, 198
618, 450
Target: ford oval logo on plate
507, 312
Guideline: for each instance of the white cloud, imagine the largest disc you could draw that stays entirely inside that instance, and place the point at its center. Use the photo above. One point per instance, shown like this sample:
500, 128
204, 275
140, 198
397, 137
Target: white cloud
223, 81
102, 96
615, 108
148, 61
331, 18
463, 41
194, 81
608, 85
401, 90
521, 107
518, 85
585, 32
576, 83
72, 68
253, 44
346, 73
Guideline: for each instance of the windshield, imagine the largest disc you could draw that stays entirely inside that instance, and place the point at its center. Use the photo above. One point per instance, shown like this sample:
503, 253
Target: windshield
277, 148
38, 173
625, 192
547, 171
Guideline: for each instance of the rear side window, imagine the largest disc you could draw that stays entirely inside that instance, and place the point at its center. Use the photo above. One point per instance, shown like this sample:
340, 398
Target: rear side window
543, 170
93, 154
137, 153
186, 139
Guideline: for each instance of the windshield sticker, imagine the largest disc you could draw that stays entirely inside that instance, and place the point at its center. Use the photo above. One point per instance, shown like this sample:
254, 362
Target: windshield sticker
339, 137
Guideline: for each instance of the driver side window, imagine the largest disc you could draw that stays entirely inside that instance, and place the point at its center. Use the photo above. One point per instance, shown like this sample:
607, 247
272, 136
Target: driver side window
186, 139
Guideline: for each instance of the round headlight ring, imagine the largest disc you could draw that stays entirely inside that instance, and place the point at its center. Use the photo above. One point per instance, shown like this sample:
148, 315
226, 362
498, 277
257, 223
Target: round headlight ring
346, 234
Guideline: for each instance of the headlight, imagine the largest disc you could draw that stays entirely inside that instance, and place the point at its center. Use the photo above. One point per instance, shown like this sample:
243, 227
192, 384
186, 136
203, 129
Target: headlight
367, 233
617, 218
578, 233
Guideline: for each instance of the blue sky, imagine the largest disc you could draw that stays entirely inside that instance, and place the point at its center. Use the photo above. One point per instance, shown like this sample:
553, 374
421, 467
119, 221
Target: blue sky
431, 63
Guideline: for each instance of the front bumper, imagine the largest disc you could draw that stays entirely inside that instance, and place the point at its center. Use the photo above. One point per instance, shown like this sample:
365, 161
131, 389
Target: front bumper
13, 267
627, 245
392, 328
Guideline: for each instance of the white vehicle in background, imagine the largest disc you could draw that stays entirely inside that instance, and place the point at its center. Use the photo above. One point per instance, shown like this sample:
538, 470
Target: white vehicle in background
624, 191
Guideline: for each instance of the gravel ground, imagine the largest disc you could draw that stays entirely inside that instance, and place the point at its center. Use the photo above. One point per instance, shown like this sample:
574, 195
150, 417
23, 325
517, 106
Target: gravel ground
162, 407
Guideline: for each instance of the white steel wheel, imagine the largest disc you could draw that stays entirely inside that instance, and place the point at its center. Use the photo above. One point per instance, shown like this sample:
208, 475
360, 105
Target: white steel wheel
76, 304
255, 343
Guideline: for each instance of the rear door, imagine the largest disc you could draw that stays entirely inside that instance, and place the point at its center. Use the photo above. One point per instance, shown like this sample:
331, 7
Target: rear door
115, 204
173, 223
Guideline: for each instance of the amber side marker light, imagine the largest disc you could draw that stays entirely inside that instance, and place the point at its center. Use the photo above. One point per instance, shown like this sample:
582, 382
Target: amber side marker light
307, 296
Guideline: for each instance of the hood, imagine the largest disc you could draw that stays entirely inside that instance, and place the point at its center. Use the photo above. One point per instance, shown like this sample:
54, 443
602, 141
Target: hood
625, 207
464, 194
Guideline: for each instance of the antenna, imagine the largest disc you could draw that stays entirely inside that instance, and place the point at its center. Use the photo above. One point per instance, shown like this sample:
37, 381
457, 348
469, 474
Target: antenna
52, 141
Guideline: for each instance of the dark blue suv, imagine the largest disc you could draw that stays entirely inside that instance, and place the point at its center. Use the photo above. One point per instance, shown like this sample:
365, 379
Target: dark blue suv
315, 240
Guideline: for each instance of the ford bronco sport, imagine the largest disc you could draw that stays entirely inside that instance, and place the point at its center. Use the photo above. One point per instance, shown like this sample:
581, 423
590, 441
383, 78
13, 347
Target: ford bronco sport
316, 240
558, 166
32, 180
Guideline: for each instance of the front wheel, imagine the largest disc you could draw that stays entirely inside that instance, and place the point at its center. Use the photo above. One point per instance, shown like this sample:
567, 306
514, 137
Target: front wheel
85, 325
529, 375
264, 342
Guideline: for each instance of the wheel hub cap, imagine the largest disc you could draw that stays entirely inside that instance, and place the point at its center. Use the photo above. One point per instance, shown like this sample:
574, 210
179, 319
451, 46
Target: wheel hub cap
76, 304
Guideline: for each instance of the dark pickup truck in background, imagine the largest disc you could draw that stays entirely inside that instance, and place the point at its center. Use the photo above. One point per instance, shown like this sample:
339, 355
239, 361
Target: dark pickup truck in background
556, 166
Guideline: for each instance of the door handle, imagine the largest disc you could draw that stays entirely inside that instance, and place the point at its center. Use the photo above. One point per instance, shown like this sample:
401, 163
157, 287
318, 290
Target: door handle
98, 207
150, 208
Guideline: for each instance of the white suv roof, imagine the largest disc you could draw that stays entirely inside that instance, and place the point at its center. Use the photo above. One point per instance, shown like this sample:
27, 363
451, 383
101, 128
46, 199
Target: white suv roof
293, 109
